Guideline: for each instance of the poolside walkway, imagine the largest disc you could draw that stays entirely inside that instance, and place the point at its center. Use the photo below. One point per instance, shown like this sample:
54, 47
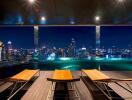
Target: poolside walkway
120, 91
39, 89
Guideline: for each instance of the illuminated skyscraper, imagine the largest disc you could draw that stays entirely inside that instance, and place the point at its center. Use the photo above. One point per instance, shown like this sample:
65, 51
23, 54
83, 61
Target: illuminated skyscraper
4, 53
1, 46
9, 43
72, 48
61, 52
73, 42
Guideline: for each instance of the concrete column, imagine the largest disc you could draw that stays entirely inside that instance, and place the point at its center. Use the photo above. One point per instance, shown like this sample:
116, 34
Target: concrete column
97, 38
36, 36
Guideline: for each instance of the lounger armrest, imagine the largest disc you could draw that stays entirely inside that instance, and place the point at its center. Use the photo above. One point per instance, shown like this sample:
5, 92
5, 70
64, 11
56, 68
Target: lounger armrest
122, 79
56, 80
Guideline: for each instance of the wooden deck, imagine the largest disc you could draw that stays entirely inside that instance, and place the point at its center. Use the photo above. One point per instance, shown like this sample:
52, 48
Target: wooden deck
39, 89
4, 86
121, 75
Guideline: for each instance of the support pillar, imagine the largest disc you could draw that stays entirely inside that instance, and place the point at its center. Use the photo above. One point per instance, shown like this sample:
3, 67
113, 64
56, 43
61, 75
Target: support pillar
97, 38
36, 36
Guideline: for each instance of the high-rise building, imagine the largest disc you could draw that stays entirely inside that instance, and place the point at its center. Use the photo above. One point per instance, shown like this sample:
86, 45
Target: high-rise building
4, 53
10, 56
61, 52
1, 46
71, 52
82, 53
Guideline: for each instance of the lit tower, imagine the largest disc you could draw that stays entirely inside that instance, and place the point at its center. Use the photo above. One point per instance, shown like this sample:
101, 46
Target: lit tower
4, 53
72, 48
9, 43
73, 42
36, 36
1, 46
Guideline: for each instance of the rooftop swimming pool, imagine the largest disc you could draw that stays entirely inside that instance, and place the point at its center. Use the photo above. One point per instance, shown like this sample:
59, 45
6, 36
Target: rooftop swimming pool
113, 64
117, 64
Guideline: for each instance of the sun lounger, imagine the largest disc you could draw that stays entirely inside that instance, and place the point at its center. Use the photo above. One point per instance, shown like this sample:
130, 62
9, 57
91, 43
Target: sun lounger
62, 78
104, 83
23, 77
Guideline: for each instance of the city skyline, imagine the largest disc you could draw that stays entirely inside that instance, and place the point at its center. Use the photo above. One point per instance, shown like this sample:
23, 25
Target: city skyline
60, 37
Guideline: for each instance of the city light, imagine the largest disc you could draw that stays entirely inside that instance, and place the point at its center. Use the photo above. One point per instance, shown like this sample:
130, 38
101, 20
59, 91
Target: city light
51, 57
9, 42
107, 56
83, 48
65, 58
43, 47
1, 43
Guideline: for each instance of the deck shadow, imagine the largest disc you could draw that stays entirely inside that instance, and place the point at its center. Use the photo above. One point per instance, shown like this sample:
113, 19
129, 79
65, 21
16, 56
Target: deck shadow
96, 92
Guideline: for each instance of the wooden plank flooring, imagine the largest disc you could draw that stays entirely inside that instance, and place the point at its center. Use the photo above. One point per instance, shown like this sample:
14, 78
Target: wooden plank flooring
39, 89
81, 87
119, 90
5, 85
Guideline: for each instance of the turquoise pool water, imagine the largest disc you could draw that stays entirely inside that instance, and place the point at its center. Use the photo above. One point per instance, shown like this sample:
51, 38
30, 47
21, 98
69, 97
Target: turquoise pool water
71, 64
117, 64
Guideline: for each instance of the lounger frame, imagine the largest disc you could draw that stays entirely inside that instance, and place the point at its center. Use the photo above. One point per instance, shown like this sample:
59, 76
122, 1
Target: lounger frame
53, 86
22, 84
105, 84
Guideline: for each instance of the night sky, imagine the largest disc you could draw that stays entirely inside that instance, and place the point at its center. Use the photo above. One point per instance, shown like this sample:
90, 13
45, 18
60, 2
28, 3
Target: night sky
61, 36
22, 37
120, 36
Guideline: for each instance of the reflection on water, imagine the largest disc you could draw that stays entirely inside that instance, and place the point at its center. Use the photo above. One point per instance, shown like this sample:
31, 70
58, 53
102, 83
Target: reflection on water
78, 64
71, 67
71, 64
